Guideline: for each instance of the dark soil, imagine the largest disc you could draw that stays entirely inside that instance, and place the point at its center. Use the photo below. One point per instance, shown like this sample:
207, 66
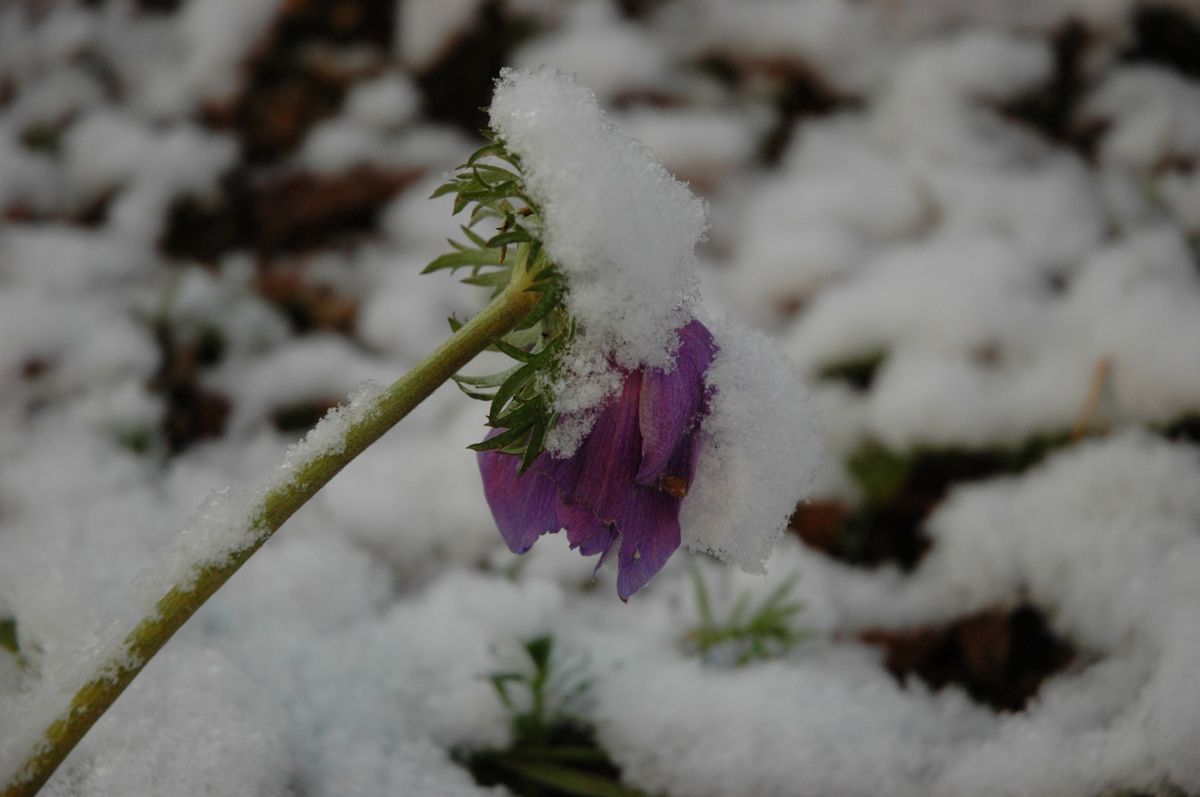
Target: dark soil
999, 657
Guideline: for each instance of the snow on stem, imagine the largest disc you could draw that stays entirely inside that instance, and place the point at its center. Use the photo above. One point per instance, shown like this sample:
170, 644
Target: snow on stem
309, 467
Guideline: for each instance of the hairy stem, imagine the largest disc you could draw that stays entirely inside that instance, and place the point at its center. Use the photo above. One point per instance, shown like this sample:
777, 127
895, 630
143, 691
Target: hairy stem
276, 505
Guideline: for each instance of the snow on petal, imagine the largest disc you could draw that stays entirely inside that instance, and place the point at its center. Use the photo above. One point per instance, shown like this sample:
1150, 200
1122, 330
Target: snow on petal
761, 449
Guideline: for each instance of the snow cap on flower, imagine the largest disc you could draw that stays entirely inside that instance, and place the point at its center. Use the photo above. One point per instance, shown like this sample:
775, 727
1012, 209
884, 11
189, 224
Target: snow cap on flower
619, 226
623, 412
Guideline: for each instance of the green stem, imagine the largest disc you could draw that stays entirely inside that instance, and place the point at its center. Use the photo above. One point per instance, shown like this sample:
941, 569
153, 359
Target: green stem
277, 504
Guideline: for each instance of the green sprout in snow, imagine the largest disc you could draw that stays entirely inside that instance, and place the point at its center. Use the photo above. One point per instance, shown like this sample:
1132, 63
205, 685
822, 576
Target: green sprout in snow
747, 634
554, 751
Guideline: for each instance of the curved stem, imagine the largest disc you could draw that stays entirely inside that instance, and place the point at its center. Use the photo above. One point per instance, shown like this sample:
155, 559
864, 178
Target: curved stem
277, 503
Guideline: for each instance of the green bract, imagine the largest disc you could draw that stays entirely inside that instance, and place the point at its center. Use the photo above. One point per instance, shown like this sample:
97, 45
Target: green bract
491, 186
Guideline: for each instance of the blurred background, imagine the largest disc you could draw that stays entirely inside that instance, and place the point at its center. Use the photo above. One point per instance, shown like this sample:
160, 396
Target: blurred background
974, 226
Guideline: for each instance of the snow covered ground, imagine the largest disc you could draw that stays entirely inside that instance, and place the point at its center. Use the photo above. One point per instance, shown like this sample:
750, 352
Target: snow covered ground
972, 226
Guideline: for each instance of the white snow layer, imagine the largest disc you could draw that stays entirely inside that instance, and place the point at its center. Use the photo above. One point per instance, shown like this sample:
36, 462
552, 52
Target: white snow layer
841, 40
760, 449
427, 28
1103, 538
994, 267
606, 54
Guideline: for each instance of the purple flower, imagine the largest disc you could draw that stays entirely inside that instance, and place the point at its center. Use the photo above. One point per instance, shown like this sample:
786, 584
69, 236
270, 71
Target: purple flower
622, 488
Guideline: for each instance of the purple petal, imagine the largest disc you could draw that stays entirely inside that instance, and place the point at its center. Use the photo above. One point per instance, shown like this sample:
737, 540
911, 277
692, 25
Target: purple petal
670, 403
585, 531
617, 493
601, 472
525, 506
600, 489
648, 541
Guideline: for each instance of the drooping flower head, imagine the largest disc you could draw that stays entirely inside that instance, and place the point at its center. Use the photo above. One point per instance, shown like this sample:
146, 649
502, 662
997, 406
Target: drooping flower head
623, 487
621, 413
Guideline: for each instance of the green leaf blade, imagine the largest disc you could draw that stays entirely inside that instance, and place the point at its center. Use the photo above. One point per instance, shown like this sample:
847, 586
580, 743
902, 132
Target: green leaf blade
8, 635
462, 259
568, 780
